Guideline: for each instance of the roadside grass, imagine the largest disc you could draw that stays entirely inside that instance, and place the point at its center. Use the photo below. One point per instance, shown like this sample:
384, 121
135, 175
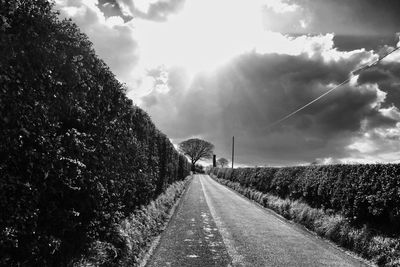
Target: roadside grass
132, 237
382, 250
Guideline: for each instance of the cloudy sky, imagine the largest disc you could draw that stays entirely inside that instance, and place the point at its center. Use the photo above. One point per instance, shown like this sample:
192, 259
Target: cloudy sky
217, 68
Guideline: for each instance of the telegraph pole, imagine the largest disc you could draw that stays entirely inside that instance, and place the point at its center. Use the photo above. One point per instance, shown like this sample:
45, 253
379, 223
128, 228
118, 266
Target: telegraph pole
233, 149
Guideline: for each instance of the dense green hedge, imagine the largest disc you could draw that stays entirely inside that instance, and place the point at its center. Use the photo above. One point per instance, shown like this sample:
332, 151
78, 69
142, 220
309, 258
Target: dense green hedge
365, 194
76, 156
136, 233
365, 241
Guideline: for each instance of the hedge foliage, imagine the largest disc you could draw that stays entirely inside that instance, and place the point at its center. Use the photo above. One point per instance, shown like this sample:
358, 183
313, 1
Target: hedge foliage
76, 156
364, 194
136, 233
380, 249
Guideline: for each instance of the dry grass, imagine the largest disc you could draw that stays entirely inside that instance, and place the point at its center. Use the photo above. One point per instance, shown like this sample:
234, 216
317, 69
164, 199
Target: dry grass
133, 236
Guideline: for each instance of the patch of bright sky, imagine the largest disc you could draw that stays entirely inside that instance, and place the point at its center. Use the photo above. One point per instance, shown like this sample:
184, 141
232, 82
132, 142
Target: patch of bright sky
205, 34
208, 33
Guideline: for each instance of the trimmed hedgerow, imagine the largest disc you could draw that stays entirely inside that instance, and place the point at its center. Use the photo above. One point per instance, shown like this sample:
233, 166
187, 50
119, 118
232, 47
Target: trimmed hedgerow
76, 156
134, 235
383, 250
364, 194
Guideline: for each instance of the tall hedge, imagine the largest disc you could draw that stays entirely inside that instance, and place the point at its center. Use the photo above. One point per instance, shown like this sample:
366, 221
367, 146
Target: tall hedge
365, 194
76, 156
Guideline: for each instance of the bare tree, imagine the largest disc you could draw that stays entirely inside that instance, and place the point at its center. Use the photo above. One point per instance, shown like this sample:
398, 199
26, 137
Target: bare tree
196, 149
222, 162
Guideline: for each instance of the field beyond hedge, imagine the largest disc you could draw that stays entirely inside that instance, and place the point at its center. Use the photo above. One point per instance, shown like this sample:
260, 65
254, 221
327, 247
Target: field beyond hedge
364, 194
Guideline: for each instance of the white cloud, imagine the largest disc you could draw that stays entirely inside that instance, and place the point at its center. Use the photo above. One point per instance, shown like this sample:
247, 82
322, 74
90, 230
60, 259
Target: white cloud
380, 95
391, 112
114, 21
363, 146
394, 55
380, 144
280, 6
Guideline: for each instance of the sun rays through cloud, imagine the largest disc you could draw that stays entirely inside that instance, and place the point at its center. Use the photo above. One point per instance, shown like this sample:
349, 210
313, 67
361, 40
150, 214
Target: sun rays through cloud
217, 68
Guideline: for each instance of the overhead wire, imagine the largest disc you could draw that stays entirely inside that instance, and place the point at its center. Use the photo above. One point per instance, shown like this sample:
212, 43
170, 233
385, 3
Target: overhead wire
309, 103
355, 72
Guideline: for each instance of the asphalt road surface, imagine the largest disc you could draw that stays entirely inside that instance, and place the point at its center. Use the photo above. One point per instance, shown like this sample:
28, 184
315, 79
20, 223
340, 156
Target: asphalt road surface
214, 226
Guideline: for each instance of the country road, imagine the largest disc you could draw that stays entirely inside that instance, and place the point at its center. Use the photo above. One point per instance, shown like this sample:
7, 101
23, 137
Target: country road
214, 226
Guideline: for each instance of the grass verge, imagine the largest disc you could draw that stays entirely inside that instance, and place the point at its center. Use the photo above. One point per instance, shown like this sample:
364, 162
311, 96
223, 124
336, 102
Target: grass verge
132, 237
384, 251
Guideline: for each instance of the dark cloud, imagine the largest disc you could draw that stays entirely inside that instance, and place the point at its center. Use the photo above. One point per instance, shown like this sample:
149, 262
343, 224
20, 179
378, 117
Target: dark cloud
112, 8
126, 9
387, 77
369, 42
248, 94
357, 24
356, 17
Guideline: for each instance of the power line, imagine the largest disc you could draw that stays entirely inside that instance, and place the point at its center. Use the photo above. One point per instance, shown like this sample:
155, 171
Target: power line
309, 103
355, 72
380, 59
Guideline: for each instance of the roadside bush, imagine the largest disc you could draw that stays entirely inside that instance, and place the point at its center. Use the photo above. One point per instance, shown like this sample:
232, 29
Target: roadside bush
283, 182
364, 194
365, 241
76, 156
134, 234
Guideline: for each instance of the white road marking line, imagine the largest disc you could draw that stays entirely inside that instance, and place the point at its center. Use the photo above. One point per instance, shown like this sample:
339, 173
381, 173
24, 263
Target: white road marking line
237, 259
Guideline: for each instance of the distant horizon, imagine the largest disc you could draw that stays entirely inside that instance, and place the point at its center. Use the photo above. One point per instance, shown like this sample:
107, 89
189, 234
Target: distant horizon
301, 165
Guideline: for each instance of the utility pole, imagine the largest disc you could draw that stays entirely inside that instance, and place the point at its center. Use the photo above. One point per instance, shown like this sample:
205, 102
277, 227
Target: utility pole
233, 149
214, 160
